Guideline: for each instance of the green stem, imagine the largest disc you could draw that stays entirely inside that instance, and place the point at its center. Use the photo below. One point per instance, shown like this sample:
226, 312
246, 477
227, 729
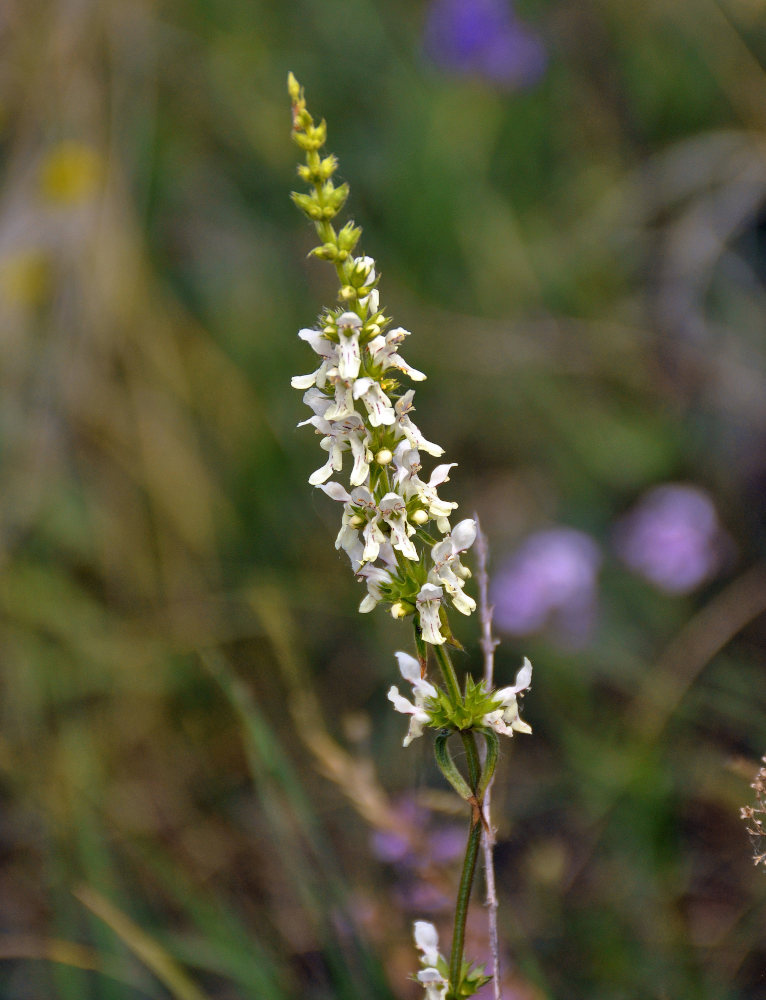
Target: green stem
449, 675
472, 757
469, 866
461, 907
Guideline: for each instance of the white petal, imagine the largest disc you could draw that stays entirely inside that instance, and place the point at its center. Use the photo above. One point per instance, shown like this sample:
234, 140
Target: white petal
399, 702
428, 592
303, 381
336, 492
464, 534
463, 603
427, 941
362, 385
441, 474
409, 667
398, 362
319, 343
350, 356
318, 477
524, 676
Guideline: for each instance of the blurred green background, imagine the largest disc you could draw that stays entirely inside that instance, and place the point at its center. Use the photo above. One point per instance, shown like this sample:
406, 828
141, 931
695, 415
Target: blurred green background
203, 788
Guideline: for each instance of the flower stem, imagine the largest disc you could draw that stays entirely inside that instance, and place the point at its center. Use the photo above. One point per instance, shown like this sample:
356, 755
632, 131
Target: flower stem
469, 866
461, 907
448, 673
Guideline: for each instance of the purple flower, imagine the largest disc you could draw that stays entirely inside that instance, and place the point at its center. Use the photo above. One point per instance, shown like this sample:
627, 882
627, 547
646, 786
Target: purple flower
484, 38
550, 580
673, 538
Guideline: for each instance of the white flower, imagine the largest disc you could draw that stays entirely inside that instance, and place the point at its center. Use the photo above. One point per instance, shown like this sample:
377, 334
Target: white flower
376, 402
403, 408
376, 577
448, 570
383, 352
326, 350
422, 690
506, 719
394, 512
434, 982
427, 942
427, 603
349, 355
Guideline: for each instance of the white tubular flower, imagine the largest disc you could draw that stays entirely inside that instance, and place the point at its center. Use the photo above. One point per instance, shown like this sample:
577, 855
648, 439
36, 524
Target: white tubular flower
376, 577
344, 401
383, 352
394, 512
326, 350
434, 984
340, 435
427, 603
403, 408
448, 570
376, 402
409, 668
349, 355
427, 943
506, 720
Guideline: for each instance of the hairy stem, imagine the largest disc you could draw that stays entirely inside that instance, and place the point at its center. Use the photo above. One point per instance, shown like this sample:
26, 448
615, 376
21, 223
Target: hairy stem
461, 907
469, 866
448, 673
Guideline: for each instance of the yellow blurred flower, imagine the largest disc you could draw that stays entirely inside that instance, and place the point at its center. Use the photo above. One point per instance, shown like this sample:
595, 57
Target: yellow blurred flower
70, 172
25, 278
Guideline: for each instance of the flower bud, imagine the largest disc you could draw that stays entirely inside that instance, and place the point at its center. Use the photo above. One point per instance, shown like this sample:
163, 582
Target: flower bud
419, 516
384, 456
401, 609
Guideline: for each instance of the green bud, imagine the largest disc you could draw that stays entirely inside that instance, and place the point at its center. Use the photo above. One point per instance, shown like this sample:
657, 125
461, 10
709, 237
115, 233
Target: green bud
305, 141
349, 236
327, 167
347, 293
305, 202
328, 251
336, 196
293, 88
400, 609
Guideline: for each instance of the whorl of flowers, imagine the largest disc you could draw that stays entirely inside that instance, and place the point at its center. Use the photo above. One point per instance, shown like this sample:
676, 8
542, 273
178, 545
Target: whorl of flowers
395, 528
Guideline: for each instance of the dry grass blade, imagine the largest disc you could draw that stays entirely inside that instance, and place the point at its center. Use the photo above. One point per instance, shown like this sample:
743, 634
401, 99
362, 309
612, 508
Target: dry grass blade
145, 948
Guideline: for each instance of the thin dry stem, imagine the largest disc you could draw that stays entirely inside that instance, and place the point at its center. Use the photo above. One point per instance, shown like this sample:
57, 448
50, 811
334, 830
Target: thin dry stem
488, 644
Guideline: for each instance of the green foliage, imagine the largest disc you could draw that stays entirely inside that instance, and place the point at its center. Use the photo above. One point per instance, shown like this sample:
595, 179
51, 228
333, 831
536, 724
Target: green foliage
467, 713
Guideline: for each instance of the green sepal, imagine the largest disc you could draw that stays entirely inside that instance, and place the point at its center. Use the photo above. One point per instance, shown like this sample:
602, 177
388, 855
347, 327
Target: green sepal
472, 978
307, 203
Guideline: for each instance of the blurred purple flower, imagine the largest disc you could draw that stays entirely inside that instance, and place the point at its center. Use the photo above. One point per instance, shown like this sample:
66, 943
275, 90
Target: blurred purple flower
552, 579
484, 38
673, 538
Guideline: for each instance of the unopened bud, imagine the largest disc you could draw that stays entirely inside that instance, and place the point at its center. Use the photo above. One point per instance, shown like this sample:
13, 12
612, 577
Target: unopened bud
356, 521
384, 457
419, 516
401, 609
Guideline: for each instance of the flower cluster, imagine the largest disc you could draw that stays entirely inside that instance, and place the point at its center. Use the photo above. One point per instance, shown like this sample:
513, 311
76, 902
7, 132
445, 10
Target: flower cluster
395, 528
433, 976
496, 710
